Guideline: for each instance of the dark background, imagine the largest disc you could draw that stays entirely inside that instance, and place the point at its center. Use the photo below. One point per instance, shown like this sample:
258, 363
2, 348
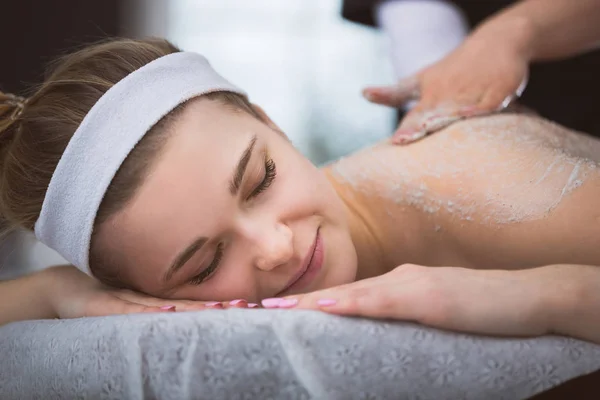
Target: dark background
34, 32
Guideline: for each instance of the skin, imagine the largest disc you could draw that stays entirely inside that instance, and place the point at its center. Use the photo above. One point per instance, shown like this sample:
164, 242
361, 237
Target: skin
265, 238
187, 195
508, 179
515, 255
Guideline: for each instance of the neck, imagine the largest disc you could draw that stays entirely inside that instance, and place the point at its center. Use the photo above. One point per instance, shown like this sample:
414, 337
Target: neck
383, 241
363, 231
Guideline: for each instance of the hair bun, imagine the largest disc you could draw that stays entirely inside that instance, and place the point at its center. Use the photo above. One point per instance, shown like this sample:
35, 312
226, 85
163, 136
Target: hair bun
11, 108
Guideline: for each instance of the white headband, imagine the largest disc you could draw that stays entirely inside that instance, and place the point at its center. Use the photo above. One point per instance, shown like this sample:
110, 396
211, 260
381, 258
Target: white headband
107, 134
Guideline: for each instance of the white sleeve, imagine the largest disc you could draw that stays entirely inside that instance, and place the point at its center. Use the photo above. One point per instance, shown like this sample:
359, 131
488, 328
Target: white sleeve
420, 32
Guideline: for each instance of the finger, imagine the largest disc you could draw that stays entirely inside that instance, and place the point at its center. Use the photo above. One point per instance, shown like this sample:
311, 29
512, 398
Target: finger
404, 138
211, 305
182, 305
409, 131
136, 297
438, 122
428, 122
394, 95
372, 302
394, 295
366, 301
115, 306
500, 98
470, 110
413, 118
496, 100
425, 110
309, 300
238, 303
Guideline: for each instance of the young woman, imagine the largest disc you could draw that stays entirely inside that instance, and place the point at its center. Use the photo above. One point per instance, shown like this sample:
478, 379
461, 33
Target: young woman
489, 226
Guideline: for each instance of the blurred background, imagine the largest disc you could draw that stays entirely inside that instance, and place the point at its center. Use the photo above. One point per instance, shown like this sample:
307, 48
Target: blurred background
298, 59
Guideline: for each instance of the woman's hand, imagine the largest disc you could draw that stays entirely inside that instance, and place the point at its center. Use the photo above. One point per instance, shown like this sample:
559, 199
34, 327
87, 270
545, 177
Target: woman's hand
477, 301
73, 294
481, 76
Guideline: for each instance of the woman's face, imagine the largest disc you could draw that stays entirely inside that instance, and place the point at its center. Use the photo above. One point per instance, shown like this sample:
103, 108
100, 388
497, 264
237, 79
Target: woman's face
231, 210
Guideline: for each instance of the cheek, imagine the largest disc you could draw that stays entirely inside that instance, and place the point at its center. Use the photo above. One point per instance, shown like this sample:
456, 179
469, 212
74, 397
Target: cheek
305, 185
303, 197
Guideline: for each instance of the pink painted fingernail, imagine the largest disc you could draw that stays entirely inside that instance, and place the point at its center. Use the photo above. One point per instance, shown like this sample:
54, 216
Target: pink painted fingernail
213, 304
236, 302
271, 303
288, 303
252, 305
168, 308
326, 302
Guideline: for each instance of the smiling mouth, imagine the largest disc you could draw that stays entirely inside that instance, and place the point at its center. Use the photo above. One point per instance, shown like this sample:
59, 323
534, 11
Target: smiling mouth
308, 265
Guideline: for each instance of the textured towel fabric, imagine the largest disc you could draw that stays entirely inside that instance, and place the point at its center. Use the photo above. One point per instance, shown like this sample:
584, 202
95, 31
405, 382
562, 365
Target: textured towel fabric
107, 134
275, 354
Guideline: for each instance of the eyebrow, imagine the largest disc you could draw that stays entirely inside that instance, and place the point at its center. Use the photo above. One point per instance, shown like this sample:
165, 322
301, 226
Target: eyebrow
238, 175
234, 187
184, 257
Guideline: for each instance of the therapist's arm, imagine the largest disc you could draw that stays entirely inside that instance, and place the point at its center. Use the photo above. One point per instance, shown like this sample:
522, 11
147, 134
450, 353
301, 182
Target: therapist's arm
548, 29
487, 69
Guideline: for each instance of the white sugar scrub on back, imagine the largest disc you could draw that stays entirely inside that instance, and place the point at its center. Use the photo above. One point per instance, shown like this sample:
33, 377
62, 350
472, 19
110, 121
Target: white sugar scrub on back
499, 169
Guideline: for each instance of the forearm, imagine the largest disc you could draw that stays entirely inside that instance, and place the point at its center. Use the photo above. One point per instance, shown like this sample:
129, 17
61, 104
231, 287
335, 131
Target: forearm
546, 29
570, 299
25, 298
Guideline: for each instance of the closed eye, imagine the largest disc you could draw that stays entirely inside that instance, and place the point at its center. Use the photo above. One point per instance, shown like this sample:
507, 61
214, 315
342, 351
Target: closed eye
269, 177
270, 174
207, 272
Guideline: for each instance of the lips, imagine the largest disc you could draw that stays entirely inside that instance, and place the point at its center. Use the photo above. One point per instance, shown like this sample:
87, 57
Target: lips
310, 267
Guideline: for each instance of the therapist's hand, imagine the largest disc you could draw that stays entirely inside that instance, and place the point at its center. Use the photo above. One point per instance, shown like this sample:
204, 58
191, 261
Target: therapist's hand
73, 294
474, 79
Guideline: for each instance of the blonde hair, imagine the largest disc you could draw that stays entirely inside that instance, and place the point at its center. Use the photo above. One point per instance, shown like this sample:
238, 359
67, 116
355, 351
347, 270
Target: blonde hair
35, 131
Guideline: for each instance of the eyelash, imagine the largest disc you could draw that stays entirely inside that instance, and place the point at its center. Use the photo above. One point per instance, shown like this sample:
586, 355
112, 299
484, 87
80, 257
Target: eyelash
201, 277
270, 174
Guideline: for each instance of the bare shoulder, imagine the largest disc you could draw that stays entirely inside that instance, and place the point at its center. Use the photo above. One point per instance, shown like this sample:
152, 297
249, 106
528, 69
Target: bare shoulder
518, 174
509, 167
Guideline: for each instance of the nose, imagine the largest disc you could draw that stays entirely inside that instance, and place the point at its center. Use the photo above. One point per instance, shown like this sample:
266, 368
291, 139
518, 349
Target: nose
274, 248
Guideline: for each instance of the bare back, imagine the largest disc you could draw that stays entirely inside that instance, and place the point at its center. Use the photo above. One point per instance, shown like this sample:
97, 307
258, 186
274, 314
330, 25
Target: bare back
503, 191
